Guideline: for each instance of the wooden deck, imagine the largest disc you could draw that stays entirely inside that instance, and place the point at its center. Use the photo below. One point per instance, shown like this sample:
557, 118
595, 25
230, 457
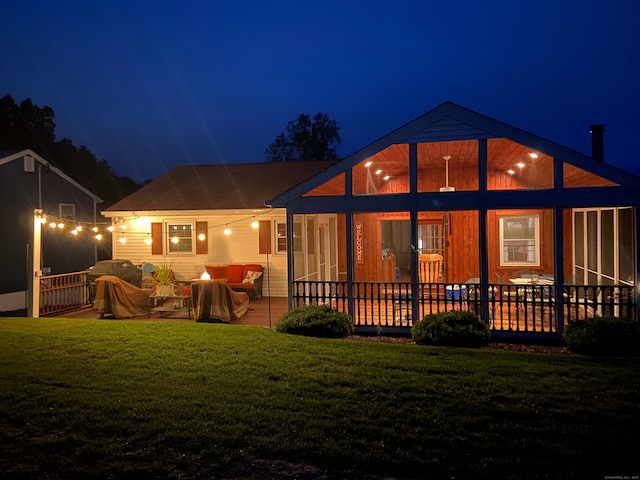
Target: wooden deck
263, 312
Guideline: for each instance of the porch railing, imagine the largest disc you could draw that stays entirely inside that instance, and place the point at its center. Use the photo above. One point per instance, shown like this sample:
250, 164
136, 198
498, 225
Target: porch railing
60, 293
511, 309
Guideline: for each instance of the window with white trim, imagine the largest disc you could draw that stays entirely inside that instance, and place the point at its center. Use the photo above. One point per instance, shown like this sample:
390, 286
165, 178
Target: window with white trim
281, 237
520, 240
179, 237
67, 211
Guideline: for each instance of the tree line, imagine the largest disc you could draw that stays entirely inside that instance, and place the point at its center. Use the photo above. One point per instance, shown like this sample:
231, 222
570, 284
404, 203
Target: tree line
26, 125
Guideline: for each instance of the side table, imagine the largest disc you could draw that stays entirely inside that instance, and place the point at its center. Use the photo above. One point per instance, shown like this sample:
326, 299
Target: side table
171, 303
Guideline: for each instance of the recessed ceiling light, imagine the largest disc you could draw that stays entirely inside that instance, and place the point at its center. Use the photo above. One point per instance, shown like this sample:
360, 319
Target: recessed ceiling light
511, 172
533, 155
520, 164
387, 177
378, 172
368, 164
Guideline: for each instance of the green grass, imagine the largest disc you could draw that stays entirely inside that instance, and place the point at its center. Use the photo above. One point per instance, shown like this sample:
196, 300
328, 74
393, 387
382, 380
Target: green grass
126, 399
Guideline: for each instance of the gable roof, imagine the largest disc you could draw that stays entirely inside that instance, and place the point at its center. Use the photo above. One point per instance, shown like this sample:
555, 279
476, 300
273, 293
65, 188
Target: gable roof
220, 187
10, 156
449, 122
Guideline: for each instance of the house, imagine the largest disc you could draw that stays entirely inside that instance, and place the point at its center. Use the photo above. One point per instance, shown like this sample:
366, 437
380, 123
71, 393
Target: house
198, 215
30, 183
530, 234
526, 232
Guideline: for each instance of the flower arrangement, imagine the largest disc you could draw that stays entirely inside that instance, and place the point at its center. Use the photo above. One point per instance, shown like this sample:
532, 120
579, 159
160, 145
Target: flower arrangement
387, 253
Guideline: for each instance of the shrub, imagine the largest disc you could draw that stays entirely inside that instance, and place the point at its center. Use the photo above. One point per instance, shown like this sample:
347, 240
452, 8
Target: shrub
315, 321
456, 329
603, 336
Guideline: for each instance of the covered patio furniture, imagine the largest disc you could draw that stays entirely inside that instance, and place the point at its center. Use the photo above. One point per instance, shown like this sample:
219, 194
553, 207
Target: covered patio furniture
119, 298
215, 301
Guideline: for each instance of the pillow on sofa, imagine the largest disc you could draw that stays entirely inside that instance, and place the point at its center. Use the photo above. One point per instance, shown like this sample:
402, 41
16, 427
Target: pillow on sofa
251, 276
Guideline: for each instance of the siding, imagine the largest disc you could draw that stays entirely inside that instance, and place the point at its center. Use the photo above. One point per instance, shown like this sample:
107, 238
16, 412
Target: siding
242, 246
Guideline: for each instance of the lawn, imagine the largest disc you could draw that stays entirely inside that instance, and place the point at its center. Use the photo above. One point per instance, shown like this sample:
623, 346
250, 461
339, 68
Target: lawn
176, 400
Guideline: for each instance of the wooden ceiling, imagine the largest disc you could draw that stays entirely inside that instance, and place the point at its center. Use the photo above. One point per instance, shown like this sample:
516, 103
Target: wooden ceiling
509, 165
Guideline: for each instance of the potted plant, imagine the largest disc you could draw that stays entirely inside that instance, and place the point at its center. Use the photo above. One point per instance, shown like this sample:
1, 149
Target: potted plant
165, 277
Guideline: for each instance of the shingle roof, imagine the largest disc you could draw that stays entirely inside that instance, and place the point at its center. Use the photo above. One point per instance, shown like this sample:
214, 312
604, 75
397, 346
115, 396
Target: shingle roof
218, 187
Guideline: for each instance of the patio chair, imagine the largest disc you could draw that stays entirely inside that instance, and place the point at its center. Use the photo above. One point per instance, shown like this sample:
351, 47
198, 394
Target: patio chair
508, 293
430, 266
582, 297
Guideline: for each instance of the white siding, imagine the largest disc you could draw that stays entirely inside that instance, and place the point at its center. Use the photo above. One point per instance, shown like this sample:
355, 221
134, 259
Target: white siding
239, 247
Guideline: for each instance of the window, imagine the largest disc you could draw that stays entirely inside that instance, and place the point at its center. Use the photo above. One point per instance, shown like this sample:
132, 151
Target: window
180, 238
29, 164
67, 211
519, 240
281, 237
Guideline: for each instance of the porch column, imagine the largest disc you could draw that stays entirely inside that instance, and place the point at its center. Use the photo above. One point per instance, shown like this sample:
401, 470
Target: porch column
413, 218
482, 224
349, 227
290, 273
558, 242
33, 285
558, 267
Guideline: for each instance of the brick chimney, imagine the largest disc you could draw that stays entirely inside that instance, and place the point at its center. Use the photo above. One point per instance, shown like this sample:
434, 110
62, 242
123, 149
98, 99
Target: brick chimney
597, 141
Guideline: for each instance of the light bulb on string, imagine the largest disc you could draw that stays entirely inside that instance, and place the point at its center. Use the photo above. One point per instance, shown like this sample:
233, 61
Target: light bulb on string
254, 224
148, 239
123, 240
227, 230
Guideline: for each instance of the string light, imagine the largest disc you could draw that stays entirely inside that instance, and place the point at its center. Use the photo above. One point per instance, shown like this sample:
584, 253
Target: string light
97, 229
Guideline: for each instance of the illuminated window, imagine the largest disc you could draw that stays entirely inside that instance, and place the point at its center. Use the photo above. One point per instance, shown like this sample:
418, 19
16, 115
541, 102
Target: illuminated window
179, 238
519, 240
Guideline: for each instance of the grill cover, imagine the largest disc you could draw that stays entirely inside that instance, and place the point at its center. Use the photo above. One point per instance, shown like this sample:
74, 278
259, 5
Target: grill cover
122, 269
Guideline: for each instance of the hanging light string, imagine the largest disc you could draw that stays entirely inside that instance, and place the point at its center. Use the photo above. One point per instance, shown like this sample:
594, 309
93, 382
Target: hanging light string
97, 229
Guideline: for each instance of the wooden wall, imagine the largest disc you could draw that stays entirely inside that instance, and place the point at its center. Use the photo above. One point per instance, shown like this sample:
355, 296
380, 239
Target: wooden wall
462, 258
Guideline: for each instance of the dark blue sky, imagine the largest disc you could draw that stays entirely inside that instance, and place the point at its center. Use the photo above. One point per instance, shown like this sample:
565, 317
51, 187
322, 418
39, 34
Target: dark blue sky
150, 85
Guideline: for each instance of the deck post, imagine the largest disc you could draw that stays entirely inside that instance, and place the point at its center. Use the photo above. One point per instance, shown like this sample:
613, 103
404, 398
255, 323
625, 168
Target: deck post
33, 308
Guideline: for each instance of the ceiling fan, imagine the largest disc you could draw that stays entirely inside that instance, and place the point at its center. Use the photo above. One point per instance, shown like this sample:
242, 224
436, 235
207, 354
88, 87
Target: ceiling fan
447, 187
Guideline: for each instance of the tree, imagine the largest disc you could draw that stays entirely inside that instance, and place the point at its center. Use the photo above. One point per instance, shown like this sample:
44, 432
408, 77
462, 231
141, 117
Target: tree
306, 139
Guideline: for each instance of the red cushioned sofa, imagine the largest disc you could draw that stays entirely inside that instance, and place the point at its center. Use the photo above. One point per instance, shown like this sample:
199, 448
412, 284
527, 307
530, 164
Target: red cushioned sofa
240, 277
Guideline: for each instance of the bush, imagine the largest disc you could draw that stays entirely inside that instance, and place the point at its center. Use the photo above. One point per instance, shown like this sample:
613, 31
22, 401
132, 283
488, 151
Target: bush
603, 336
455, 329
315, 321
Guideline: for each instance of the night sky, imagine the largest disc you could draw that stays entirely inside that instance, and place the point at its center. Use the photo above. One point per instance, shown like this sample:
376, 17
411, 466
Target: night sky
150, 85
